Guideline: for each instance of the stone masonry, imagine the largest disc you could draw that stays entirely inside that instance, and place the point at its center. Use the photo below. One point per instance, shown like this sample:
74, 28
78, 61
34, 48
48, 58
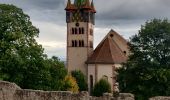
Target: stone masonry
10, 91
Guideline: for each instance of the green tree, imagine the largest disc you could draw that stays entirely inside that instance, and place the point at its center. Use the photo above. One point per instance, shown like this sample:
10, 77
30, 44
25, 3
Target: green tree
81, 80
21, 58
101, 87
147, 72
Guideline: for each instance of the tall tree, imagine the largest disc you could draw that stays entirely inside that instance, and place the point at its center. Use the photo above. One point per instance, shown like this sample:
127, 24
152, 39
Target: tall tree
21, 58
147, 72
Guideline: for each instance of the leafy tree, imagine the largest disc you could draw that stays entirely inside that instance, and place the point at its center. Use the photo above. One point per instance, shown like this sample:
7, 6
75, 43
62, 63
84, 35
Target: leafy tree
70, 84
81, 80
21, 58
147, 72
101, 87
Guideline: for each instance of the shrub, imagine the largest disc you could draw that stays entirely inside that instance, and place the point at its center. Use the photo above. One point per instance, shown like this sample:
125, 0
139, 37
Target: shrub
81, 80
70, 84
101, 87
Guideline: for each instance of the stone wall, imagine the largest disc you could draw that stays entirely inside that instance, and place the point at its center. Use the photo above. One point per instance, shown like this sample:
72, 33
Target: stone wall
160, 98
10, 91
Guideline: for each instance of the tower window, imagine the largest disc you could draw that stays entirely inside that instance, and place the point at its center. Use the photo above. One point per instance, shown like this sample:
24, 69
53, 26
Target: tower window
75, 43
82, 43
82, 30
75, 30
72, 30
72, 43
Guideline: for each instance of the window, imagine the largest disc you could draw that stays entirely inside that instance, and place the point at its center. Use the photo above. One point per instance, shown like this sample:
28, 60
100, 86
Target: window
124, 52
91, 83
82, 43
72, 43
82, 30
75, 43
72, 30
75, 30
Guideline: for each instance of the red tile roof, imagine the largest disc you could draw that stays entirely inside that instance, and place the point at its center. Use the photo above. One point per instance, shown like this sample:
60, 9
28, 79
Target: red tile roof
108, 52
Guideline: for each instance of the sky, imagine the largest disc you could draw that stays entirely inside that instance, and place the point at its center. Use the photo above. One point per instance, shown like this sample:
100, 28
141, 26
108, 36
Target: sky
123, 16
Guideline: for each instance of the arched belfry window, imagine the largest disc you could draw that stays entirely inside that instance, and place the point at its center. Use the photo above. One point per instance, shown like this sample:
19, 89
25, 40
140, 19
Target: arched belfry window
75, 30
72, 30
72, 43
82, 30
82, 43
75, 43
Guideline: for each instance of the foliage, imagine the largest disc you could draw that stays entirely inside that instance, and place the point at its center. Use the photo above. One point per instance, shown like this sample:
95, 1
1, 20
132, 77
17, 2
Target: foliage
81, 80
102, 86
70, 84
21, 58
147, 72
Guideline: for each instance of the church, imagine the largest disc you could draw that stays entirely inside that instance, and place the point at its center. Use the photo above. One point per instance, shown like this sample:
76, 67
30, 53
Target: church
97, 63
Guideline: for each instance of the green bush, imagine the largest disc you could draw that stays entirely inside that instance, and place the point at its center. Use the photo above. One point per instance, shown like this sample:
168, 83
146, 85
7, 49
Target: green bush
81, 80
101, 87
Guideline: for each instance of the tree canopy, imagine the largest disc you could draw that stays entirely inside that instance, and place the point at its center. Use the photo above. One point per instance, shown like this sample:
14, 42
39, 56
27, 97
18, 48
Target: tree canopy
102, 86
147, 72
22, 59
81, 80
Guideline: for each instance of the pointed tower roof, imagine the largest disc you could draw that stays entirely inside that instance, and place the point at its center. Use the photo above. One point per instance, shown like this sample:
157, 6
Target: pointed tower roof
70, 6
87, 5
107, 52
92, 7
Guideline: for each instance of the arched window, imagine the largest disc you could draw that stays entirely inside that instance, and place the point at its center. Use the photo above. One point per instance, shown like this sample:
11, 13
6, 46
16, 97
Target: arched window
72, 30
82, 30
91, 83
72, 43
75, 30
80, 44
75, 43
105, 77
91, 44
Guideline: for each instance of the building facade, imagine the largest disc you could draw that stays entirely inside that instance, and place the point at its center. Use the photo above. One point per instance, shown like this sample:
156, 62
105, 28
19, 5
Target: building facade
108, 55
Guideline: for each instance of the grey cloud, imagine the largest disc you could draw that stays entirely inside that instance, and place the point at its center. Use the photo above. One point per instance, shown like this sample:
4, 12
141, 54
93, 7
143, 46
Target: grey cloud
125, 11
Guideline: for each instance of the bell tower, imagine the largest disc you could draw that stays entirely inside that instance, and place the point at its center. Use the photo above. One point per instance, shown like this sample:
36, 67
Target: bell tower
80, 19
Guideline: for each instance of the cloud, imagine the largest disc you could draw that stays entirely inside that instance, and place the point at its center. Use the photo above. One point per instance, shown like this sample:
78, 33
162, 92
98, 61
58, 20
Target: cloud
124, 16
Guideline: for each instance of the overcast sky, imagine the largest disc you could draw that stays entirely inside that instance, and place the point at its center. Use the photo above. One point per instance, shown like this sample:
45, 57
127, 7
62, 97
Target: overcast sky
123, 16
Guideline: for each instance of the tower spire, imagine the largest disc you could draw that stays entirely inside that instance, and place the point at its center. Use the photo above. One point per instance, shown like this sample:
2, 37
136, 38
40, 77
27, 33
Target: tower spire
70, 6
87, 5
92, 6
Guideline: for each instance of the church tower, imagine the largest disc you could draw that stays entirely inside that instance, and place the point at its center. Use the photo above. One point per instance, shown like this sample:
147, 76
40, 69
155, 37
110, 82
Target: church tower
80, 18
